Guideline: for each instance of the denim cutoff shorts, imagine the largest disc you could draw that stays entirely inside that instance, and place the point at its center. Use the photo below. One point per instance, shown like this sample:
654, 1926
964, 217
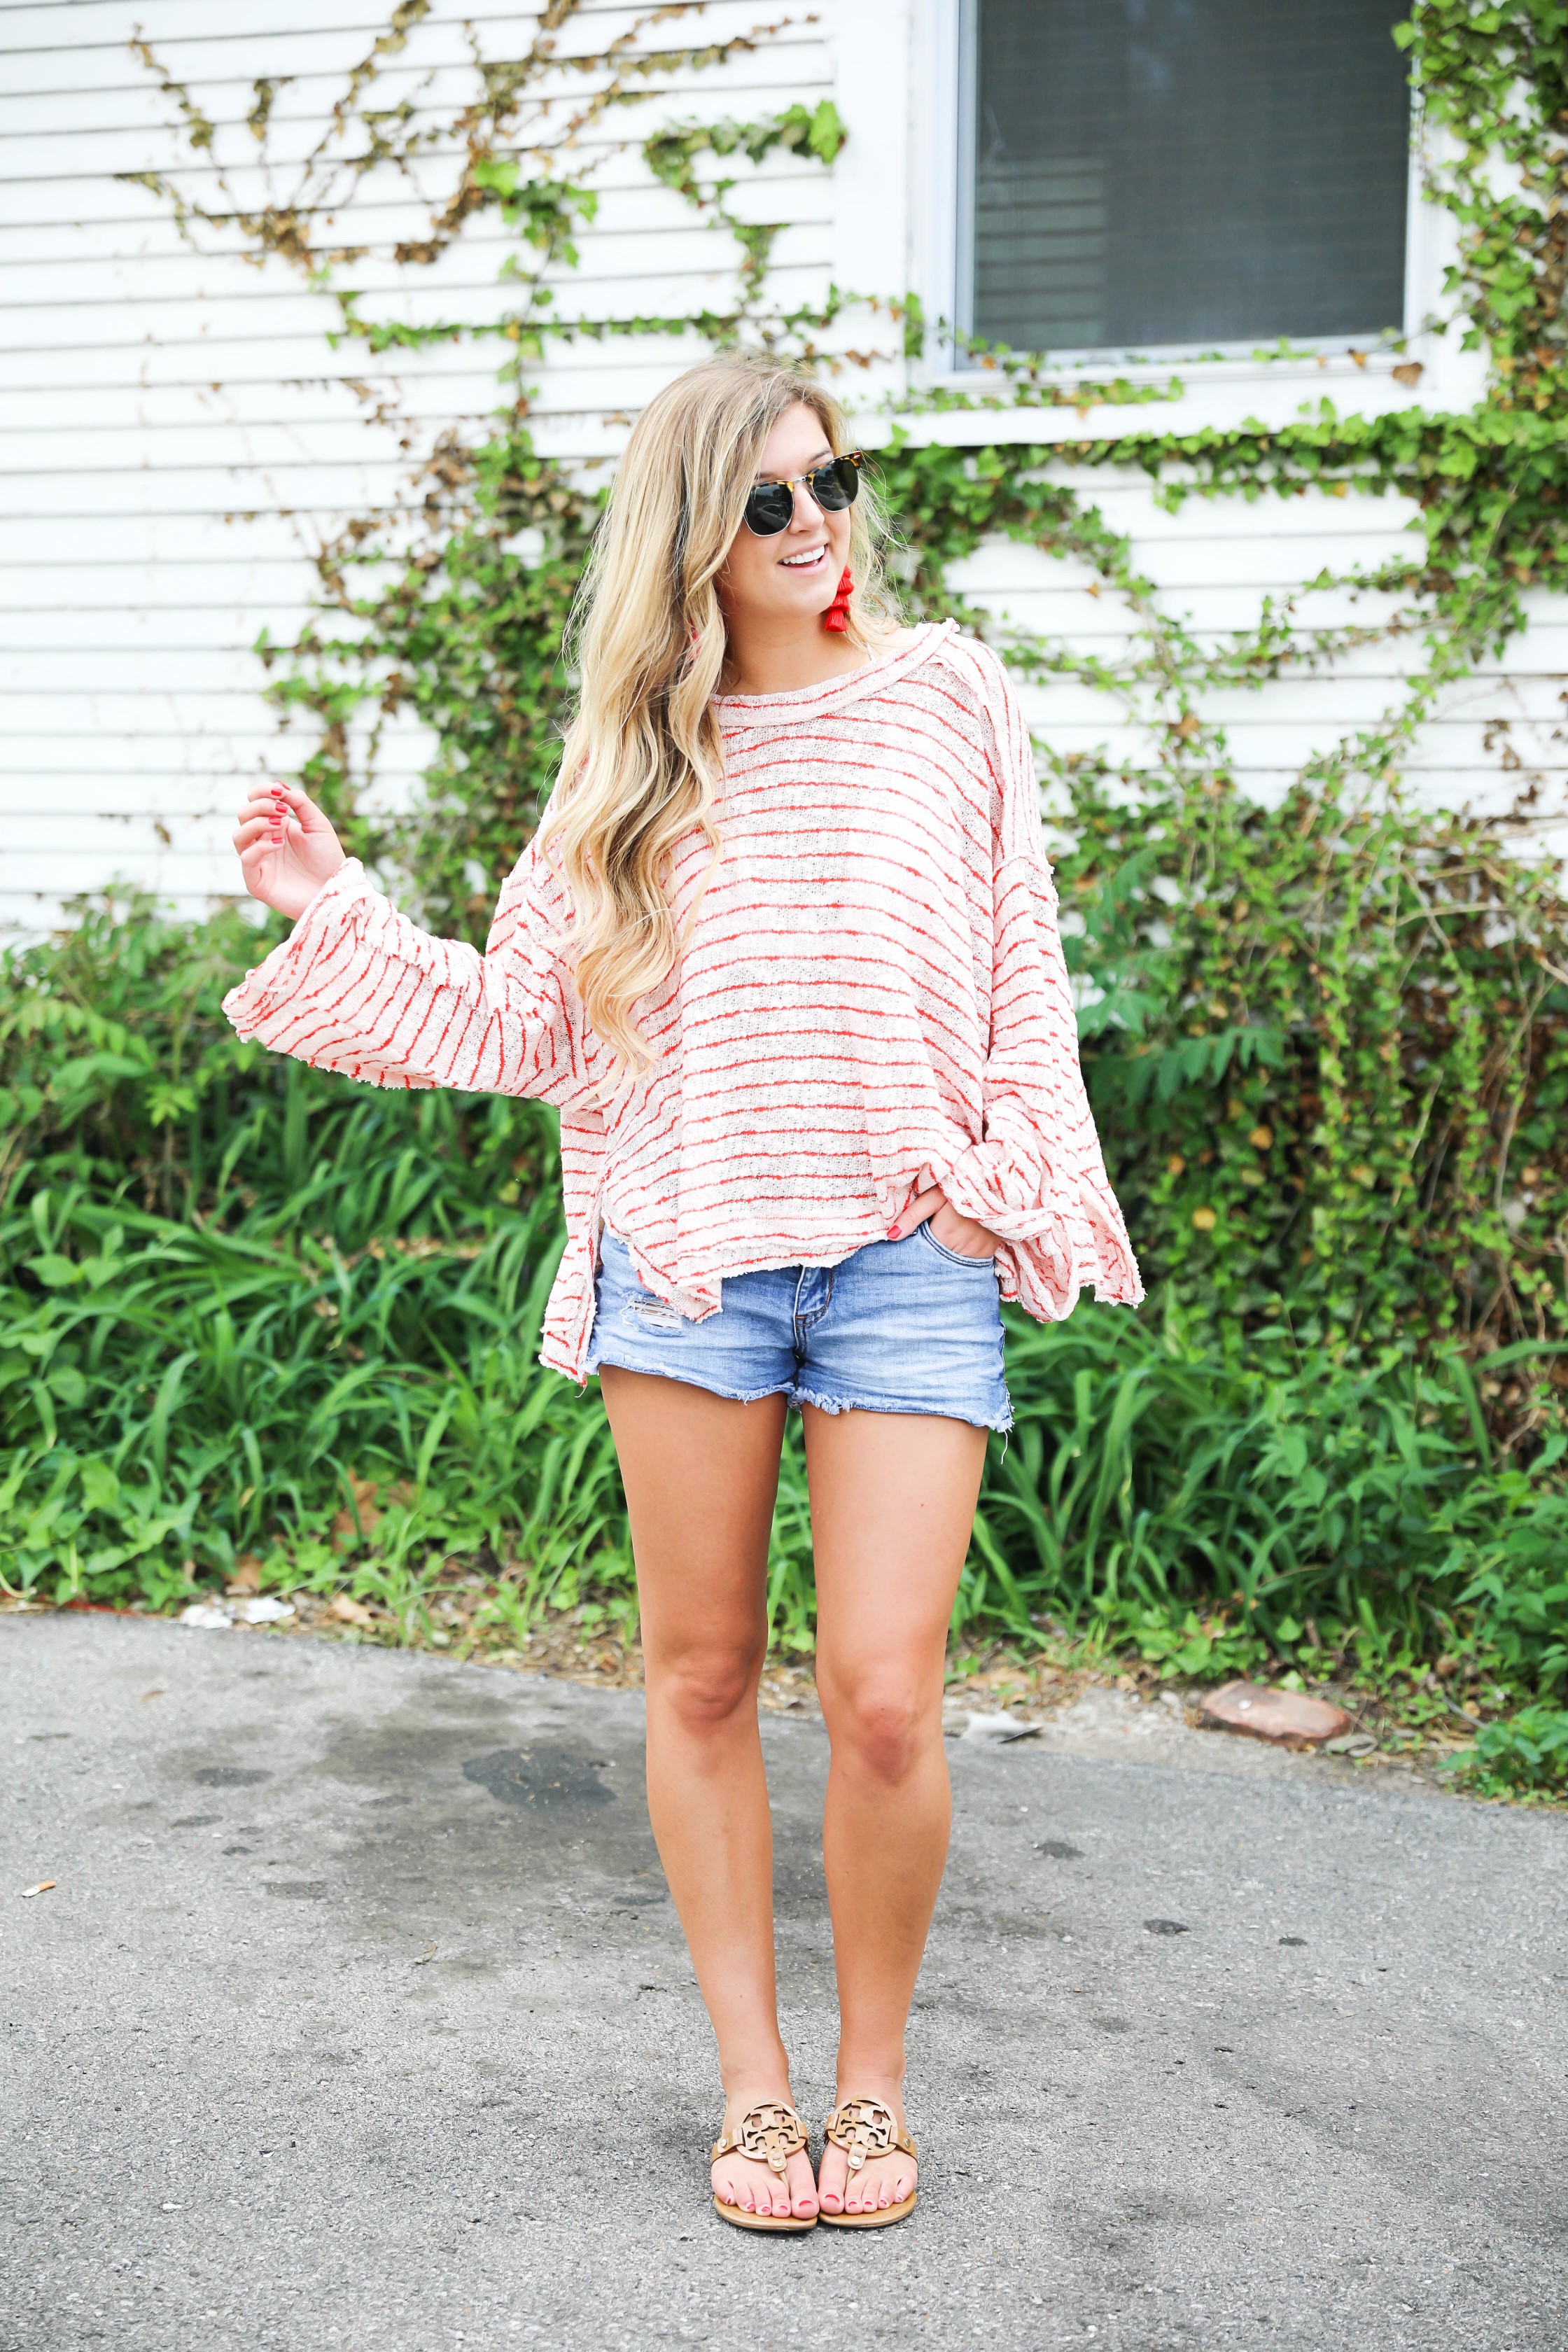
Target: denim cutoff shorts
900, 1327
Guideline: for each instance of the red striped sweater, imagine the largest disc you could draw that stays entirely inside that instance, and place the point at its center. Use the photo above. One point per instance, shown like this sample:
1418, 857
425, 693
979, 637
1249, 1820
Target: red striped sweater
872, 995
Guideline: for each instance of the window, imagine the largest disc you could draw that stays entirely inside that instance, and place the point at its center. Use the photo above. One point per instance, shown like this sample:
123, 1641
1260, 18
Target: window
1149, 173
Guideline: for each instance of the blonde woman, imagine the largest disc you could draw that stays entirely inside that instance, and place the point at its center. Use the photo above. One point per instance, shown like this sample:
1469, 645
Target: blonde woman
785, 953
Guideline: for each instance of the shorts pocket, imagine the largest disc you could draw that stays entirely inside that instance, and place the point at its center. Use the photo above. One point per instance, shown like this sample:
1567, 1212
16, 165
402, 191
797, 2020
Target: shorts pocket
954, 1257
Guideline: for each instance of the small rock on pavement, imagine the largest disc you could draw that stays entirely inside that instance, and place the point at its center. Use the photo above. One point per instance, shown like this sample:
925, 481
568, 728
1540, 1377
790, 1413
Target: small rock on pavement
1289, 1717
215, 1616
991, 1730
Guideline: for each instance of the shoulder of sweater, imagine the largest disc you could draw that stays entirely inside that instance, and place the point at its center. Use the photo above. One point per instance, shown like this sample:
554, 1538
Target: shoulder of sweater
974, 681
970, 662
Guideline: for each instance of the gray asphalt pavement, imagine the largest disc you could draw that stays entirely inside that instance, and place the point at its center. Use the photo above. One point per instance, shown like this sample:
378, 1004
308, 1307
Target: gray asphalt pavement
359, 2018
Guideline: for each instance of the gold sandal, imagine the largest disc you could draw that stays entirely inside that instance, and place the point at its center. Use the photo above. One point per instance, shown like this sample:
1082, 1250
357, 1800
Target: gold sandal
770, 2133
864, 2127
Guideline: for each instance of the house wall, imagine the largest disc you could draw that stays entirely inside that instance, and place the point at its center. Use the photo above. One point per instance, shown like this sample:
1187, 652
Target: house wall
178, 436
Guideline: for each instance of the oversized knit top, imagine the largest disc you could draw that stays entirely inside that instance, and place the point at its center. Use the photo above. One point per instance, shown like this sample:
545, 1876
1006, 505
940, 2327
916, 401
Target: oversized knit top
871, 997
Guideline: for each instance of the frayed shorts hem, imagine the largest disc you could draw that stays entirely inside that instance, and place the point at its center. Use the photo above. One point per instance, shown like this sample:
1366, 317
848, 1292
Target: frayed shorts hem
1002, 1421
794, 1394
602, 1356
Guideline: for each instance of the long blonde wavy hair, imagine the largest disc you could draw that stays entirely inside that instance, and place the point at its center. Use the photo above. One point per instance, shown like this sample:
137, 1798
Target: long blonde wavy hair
643, 759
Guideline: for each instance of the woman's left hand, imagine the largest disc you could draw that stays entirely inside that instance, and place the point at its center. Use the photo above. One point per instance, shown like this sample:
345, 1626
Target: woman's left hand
962, 1236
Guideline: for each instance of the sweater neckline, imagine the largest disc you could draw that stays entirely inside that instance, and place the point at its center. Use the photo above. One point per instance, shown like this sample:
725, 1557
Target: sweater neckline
742, 710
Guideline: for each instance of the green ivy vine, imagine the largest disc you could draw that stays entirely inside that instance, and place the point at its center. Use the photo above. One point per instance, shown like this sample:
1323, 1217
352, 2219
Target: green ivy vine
1328, 1040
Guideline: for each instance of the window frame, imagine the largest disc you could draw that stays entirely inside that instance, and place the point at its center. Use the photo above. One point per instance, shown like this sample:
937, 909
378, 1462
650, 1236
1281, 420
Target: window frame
950, 46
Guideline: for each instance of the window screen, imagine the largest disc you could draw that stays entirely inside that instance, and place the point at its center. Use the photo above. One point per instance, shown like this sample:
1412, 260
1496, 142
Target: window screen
1188, 171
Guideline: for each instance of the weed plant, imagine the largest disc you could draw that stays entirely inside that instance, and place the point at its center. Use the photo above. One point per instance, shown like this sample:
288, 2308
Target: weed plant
251, 1308
1327, 1042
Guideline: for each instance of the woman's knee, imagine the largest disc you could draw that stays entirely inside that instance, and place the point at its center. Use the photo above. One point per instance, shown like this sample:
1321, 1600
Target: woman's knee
702, 1688
882, 1723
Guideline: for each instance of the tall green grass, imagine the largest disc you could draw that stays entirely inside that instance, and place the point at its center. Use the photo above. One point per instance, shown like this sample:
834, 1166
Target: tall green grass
1211, 1511
182, 1394
185, 1393
248, 1308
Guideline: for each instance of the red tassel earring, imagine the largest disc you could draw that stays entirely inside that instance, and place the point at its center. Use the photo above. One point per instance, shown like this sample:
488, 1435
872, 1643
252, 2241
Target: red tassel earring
837, 616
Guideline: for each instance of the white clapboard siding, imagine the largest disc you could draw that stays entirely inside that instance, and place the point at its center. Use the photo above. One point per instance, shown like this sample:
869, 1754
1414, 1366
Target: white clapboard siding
178, 436
1487, 738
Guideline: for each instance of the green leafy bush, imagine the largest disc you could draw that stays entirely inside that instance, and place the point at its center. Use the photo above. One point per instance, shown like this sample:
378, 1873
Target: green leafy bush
1525, 1755
247, 1306
1220, 1513
237, 1292
249, 1309
1328, 1047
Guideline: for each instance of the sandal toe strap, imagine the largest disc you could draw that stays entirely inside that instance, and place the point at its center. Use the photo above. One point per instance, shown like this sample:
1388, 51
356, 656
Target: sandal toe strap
864, 2127
769, 2134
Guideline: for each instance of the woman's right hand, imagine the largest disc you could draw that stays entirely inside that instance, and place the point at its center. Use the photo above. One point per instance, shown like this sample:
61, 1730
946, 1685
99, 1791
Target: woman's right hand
286, 848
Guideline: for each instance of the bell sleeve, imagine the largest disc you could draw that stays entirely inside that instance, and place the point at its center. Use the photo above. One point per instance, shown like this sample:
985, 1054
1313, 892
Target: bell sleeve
1036, 1175
357, 987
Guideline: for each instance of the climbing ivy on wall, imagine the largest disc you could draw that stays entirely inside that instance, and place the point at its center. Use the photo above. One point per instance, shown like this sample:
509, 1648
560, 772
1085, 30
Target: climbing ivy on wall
1329, 1041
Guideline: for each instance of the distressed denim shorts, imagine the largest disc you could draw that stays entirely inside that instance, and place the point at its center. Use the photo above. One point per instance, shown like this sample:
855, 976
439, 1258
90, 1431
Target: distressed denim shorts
900, 1327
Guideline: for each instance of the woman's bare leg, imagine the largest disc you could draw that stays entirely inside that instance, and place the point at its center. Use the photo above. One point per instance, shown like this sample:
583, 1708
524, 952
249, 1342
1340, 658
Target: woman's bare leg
892, 1500
700, 1474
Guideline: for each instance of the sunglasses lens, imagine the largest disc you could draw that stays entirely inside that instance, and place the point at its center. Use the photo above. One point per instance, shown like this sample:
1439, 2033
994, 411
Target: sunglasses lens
769, 508
834, 487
